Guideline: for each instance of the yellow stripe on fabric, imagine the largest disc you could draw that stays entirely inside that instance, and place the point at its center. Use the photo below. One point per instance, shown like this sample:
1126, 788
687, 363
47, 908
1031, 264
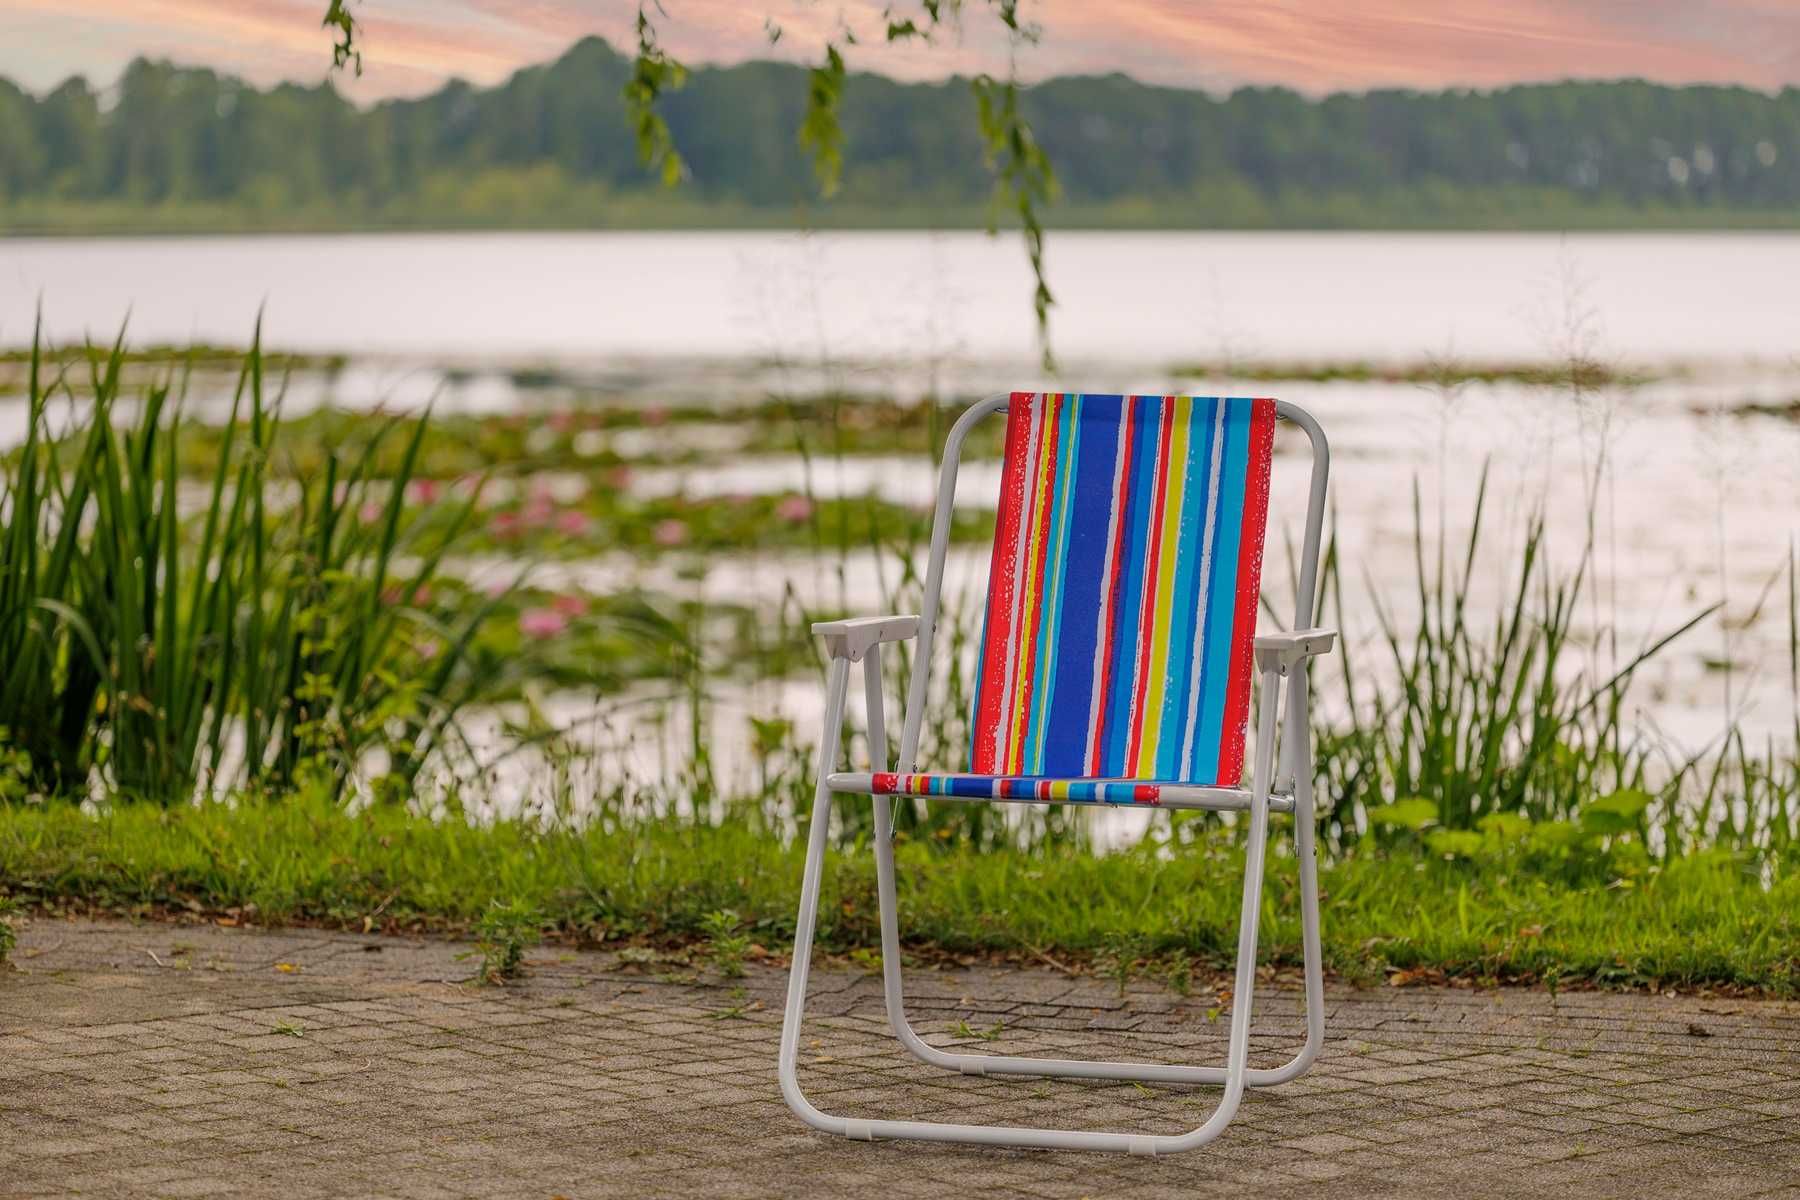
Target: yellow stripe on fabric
1044, 668
1032, 581
1174, 487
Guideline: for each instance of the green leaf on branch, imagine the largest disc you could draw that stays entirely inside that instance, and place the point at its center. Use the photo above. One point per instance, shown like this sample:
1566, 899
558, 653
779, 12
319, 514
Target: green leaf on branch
1454, 843
653, 73
1615, 813
342, 22
1414, 814
820, 131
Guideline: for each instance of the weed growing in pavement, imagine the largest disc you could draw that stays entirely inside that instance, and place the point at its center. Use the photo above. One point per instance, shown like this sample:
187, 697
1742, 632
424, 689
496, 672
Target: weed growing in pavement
502, 935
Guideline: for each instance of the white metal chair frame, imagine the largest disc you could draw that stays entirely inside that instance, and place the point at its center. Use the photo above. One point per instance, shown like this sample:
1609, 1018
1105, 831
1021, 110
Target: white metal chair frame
1277, 656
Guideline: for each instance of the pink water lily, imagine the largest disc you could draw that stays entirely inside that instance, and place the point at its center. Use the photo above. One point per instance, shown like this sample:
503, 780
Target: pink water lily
572, 521
542, 622
793, 508
569, 604
670, 532
396, 594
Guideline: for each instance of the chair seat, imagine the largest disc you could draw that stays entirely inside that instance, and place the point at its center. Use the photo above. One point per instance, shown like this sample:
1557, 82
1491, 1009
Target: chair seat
1044, 789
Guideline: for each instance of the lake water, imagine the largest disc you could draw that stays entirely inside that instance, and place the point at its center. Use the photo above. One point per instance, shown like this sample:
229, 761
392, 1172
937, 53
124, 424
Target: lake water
1135, 300
1702, 495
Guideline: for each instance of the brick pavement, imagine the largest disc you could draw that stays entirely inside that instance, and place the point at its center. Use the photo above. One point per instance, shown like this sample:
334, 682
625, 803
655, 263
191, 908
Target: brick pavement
165, 1060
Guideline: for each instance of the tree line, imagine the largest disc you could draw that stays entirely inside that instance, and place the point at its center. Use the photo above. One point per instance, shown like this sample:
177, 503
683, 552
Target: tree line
552, 146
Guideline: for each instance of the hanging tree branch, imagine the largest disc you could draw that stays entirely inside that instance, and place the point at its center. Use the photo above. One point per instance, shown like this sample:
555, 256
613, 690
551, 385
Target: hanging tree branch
819, 129
342, 23
1023, 178
653, 72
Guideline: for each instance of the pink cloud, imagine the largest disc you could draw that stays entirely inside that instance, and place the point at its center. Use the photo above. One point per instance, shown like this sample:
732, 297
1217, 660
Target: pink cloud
1313, 45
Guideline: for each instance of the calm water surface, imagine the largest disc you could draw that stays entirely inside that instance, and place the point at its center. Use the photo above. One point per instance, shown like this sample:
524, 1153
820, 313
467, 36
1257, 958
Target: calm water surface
1145, 298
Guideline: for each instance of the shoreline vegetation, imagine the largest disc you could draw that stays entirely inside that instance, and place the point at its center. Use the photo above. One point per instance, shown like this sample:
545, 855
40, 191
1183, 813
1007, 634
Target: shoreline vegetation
607, 212
1583, 373
1492, 809
173, 148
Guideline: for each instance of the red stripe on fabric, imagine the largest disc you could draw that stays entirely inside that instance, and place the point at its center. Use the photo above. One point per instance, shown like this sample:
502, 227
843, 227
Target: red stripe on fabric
1147, 793
885, 783
1001, 583
1147, 609
1111, 608
1249, 586
1043, 482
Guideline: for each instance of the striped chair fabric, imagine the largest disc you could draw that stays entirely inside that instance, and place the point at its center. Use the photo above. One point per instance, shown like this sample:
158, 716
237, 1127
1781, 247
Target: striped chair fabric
1122, 600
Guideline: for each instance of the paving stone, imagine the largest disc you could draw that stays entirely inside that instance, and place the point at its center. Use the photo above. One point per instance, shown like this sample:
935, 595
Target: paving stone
123, 1077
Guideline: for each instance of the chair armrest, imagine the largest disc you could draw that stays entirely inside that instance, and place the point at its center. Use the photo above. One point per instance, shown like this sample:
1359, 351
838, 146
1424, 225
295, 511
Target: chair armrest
853, 637
1282, 652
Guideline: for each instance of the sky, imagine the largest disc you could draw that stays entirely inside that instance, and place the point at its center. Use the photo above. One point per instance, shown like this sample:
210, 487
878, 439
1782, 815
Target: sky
414, 46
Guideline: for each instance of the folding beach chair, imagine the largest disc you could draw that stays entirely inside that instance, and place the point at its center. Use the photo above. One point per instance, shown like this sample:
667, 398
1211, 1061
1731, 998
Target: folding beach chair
1115, 668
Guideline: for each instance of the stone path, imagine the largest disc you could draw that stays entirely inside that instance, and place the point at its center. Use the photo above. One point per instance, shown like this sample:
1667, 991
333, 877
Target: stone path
166, 1060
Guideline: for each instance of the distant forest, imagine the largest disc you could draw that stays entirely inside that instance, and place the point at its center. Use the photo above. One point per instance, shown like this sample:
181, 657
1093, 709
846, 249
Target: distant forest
170, 148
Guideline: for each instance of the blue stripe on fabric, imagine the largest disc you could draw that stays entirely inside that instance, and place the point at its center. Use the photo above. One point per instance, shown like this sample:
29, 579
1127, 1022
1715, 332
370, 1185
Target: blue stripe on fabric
1185, 609
1084, 572
1221, 605
1127, 618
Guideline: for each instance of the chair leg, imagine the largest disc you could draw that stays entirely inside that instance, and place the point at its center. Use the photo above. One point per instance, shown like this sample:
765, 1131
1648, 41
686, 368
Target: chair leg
1238, 1046
893, 984
1237, 1056
836, 684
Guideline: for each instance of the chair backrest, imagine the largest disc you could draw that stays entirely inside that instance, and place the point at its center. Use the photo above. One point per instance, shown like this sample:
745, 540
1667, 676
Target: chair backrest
1123, 589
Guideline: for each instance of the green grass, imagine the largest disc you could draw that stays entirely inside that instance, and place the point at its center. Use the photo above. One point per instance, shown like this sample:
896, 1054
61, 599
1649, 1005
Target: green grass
1535, 905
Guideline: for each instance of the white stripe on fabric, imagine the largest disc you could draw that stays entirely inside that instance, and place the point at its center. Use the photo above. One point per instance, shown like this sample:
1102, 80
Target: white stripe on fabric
1112, 545
1204, 583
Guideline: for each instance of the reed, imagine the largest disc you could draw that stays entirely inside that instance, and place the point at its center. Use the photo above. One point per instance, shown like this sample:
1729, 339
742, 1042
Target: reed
153, 654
